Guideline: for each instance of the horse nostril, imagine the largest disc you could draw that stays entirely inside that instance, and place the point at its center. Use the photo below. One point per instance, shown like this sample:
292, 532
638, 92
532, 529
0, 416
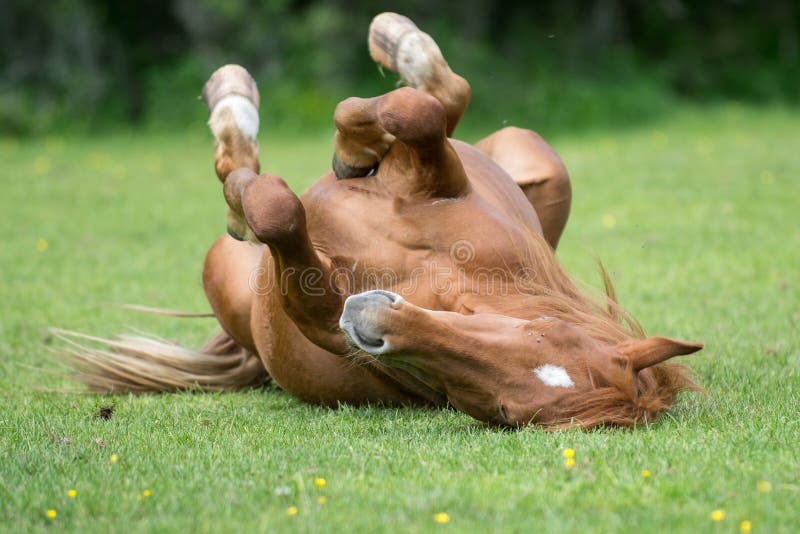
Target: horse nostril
363, 317
366, 340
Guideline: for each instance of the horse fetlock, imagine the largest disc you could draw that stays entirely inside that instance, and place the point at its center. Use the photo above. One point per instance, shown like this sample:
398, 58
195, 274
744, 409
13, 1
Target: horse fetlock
233, 189
272, 210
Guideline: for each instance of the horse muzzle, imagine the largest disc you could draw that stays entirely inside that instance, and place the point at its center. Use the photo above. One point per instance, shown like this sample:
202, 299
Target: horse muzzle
364, 318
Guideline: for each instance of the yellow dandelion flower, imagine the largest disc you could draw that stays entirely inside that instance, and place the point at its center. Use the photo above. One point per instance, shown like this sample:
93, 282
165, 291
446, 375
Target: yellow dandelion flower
609, 221
763, 486
718, 515
646, 473
72, 494
42, 244
745, 527
569, 463
51, 514
320, 482
569, 453
322, 499
114, 458
147, 493
292, 510
441, 517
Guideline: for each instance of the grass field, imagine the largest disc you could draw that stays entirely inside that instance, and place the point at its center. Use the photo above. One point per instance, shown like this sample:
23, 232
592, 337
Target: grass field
697, 218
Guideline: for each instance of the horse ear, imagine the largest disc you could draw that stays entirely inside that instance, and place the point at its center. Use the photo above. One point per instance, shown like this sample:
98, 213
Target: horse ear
644, 353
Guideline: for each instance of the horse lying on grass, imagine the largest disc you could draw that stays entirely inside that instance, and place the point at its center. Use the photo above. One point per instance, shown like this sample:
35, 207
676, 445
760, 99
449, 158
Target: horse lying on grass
419, 271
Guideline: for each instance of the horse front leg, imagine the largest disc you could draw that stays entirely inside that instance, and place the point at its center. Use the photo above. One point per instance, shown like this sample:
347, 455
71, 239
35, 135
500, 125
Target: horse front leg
415, 157
397, 44
304, 279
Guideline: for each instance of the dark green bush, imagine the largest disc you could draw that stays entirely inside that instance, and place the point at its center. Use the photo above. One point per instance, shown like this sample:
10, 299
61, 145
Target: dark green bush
87, 64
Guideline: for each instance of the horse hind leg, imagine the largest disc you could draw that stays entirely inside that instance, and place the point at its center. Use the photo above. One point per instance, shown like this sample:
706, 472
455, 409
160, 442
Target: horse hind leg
398, 45
232, 99
229, 283
537, 169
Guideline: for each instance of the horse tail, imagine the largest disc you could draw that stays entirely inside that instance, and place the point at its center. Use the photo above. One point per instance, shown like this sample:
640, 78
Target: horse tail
139, 364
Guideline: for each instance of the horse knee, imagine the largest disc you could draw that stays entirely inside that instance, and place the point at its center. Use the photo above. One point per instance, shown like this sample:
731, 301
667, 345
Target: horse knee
273, 211
413, 117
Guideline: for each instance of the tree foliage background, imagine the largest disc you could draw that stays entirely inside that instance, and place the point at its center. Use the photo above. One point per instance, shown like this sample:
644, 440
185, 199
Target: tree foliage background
88, 64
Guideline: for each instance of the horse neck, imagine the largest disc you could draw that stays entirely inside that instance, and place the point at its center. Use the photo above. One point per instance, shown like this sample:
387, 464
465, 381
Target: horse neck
608, 324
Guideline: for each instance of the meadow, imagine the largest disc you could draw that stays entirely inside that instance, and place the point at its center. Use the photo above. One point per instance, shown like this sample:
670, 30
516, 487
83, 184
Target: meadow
696, 215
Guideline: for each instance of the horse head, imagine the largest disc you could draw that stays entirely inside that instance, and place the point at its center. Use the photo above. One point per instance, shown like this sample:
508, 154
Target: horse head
514, 371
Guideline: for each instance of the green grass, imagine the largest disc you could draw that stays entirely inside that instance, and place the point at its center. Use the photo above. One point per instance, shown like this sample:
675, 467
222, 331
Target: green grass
696, 218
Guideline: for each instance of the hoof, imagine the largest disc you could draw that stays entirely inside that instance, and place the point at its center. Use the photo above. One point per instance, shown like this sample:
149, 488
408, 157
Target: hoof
230, 80
397, 44
385, 33
346, 172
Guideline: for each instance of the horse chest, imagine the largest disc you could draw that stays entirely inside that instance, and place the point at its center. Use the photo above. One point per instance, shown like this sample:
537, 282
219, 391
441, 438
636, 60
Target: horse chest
431, 251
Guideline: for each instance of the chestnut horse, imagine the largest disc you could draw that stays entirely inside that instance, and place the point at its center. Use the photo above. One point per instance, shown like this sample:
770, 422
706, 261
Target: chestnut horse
420, 270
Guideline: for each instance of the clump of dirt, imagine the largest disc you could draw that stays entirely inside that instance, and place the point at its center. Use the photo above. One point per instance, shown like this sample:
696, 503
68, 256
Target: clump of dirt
104, 412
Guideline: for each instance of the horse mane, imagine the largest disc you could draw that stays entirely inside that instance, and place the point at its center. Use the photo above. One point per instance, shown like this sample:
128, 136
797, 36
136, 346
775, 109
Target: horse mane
541, 286
550, 291
610, 406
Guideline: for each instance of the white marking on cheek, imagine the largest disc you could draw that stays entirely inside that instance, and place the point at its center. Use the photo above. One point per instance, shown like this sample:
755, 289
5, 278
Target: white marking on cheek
553, 375
244, 114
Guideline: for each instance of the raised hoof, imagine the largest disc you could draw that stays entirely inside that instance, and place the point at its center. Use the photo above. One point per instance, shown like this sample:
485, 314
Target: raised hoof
346, 172
385, 33
397, 44
230, 80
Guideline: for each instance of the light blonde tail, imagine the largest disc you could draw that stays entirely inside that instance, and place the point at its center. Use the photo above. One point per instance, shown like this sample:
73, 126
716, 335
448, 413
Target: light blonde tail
139, 364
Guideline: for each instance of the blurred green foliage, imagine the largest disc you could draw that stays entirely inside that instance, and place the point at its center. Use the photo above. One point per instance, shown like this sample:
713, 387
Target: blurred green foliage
558, 65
